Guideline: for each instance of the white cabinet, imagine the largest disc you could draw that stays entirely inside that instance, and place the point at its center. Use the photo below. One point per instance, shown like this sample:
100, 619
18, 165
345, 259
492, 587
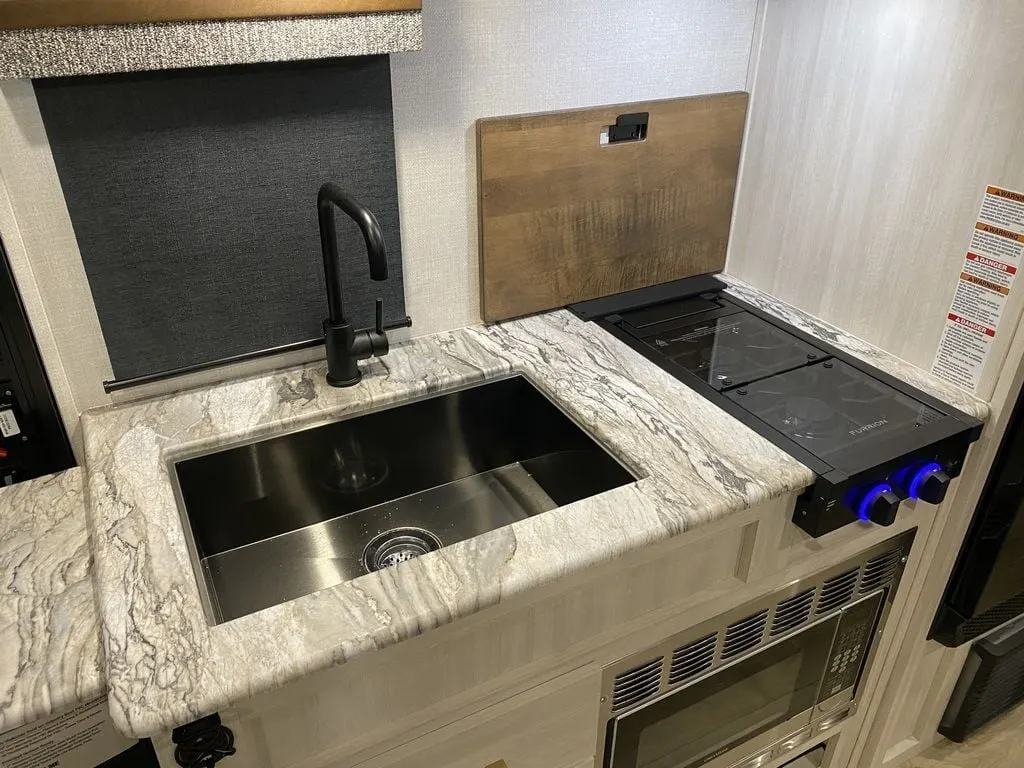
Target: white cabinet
553, 725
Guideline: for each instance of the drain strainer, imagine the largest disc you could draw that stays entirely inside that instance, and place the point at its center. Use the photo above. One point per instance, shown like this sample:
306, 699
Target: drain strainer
397, 546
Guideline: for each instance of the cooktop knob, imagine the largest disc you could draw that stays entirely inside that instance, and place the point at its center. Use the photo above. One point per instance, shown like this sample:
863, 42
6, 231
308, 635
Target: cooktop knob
879, 505
930, 484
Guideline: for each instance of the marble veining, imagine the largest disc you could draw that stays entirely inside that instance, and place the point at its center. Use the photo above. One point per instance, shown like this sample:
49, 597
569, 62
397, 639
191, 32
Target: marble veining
923, 380
49, 627
43, 543
166, 665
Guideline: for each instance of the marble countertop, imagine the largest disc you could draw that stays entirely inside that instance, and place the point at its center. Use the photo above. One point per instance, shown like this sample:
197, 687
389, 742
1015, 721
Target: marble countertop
49, 628
166, 665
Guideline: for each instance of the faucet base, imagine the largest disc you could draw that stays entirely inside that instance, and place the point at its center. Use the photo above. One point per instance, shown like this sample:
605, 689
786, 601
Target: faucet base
345, 348
346, 382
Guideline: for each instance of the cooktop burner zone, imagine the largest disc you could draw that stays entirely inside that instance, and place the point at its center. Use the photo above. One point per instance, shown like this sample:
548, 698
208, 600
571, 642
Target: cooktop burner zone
872, 440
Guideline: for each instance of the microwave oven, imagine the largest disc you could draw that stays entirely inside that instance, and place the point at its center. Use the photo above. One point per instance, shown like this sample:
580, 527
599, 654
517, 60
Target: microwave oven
749, 686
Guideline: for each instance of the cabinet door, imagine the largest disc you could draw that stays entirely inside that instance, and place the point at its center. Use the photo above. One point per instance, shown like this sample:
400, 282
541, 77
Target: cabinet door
551, 726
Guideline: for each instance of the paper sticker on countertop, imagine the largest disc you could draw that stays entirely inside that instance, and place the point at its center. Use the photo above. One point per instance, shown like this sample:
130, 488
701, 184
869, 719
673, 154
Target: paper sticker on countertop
80, 737
8, 423
986, 279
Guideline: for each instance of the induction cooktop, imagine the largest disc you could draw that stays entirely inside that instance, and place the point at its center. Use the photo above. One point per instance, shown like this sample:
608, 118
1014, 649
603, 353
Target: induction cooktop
872, 440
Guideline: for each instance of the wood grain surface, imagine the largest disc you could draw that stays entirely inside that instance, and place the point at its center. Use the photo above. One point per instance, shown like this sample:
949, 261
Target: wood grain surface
564, 218
26, 14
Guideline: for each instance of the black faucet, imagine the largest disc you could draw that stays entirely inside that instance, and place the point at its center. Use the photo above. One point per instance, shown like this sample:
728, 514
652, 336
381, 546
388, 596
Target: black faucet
346, 346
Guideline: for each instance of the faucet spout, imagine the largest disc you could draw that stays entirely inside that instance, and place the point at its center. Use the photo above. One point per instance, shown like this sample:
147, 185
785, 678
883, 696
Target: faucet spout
346, 346
331, 195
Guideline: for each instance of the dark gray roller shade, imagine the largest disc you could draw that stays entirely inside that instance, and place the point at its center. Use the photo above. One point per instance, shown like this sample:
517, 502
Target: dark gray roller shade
193, 199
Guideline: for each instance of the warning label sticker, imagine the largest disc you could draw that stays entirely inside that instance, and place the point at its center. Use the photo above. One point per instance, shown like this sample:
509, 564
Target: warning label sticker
974, 300
8, 423
1003, 208
80, 737
986, 279
997, 243
995, 272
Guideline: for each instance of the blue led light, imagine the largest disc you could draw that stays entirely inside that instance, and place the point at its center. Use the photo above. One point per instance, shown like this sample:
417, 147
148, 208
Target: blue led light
915, 484
869, 499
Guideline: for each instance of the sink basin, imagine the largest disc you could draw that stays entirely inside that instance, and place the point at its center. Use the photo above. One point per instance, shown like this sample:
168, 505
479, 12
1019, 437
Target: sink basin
284, 517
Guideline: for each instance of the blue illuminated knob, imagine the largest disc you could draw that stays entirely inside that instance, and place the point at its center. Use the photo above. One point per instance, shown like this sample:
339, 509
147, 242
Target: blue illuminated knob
879, 505
929, 484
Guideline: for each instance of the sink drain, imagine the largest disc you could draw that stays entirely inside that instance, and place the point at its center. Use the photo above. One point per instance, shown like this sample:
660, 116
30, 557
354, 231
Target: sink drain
397, 546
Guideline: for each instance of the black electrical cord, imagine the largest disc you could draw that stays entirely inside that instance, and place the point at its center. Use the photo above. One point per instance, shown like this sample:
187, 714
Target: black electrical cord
203, 743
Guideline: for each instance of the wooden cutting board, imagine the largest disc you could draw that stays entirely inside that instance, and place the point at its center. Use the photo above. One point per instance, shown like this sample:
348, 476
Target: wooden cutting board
566, 218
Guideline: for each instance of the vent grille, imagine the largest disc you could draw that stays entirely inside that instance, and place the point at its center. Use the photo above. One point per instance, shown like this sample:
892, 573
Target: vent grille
743, 635
836, 591
634, 685
690, 656
692, 659
879, 571
792, 613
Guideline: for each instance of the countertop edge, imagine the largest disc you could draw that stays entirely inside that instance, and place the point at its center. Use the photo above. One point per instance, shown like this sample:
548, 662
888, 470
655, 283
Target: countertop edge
149, 727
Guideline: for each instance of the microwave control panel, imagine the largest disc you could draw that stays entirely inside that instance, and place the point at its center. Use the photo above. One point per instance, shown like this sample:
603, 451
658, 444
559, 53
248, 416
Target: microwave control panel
850, 645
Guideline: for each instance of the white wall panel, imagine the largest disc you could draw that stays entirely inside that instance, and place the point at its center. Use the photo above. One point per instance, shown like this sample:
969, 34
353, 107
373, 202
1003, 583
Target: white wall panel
874, 128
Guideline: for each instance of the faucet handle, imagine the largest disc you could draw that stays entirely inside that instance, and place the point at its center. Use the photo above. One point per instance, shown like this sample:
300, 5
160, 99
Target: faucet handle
377, 336
379, 332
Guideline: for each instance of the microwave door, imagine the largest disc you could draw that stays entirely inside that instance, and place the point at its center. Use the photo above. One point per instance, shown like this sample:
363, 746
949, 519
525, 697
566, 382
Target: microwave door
764, 697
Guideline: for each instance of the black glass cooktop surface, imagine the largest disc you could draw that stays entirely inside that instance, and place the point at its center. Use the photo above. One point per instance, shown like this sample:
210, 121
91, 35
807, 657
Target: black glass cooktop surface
732, 350
830, 406
871, 440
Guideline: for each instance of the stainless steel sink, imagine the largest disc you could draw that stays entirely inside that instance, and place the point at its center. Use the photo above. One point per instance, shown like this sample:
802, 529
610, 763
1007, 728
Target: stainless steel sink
277, 519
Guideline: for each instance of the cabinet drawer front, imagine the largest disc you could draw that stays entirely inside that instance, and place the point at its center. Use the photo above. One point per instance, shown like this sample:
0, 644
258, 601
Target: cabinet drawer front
551, 726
